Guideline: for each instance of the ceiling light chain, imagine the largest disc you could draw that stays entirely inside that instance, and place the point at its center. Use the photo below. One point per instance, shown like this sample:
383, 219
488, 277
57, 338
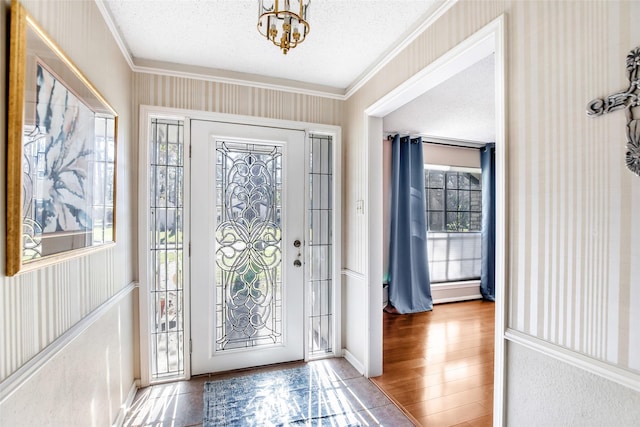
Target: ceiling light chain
284, 18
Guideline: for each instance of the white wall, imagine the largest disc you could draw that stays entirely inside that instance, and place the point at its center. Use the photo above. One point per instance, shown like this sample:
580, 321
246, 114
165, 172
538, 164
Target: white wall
86, 382
550, 392
39, 307
354, 341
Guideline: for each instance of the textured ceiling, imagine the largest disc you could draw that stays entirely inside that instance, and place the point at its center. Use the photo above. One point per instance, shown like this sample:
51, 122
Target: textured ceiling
462, 107
347, 37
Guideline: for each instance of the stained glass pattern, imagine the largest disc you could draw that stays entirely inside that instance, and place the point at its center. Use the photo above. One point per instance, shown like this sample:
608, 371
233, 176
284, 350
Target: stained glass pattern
166, 203
248, 245
320, 241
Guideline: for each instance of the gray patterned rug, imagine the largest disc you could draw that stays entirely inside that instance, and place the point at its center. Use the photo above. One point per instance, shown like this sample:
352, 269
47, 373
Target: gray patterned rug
300, 396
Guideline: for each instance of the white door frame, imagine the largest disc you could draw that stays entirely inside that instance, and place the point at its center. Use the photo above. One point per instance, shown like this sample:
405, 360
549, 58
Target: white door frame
489, 39
149, 111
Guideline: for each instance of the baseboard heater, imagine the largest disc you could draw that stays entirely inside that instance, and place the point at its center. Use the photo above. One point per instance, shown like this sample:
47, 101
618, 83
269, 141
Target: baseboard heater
455, 291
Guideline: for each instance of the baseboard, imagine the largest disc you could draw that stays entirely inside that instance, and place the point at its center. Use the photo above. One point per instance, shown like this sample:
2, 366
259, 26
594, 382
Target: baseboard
126, 405
26, 371
359, 366
605, 370
455, 291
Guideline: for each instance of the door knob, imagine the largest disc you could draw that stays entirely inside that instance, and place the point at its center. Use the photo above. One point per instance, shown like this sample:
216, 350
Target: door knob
297, 263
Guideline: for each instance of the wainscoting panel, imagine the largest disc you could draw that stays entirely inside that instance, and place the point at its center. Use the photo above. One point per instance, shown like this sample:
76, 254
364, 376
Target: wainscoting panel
551, 392
354, 313
86, 376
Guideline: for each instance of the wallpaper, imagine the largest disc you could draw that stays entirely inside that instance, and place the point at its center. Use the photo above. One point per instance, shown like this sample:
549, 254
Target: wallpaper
201, 95
39, 306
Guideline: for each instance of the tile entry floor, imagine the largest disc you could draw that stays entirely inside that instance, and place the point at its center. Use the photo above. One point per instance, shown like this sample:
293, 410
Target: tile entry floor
180, 404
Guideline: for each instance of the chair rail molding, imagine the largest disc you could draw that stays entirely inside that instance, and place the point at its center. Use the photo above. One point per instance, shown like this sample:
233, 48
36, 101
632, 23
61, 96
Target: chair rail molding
603, 369
29, 369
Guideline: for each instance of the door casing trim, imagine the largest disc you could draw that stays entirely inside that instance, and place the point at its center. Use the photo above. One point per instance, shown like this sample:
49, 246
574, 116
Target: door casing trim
490, 38
146, 112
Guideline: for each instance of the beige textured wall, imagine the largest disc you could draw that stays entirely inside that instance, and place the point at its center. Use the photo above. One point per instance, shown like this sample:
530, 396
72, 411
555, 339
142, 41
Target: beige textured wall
551, 392
573, 241
436, 154
39, 306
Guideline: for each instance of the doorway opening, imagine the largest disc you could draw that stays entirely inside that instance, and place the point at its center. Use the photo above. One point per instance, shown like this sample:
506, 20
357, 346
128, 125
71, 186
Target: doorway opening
487, 41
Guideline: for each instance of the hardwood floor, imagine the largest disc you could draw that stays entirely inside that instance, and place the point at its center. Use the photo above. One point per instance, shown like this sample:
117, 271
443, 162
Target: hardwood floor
438, 365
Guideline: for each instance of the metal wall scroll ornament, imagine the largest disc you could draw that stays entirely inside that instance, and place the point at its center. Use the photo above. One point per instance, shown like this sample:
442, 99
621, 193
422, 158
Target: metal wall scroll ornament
628, 101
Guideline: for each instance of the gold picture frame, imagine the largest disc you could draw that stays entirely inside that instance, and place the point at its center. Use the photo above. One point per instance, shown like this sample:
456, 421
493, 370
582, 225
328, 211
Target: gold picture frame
61, 154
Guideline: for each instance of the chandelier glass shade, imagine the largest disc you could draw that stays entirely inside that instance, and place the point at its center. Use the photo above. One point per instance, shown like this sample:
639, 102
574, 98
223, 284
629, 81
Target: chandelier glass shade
284, 22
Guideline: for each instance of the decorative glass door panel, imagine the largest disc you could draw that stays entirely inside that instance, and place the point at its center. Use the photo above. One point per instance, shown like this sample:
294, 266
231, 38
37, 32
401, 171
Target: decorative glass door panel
249, 245
247, 278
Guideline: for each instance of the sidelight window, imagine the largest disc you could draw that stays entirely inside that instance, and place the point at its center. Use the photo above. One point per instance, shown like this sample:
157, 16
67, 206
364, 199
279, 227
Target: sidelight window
166, 247
320, 220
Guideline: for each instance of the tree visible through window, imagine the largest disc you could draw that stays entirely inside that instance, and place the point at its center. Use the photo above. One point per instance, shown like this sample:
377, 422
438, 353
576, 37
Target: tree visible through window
454, 200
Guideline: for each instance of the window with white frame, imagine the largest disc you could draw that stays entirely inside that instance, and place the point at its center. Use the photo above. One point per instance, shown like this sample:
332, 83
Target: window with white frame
454, 199
454, 221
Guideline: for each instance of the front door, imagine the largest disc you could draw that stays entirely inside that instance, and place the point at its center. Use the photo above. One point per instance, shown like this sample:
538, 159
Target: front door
247, 281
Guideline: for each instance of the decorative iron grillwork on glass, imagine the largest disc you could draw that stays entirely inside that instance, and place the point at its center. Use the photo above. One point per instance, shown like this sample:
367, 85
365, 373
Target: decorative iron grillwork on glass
249, 245
167, 240
320, 244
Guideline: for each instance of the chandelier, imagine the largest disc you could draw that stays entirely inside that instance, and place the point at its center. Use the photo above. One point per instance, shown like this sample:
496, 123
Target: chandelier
284, 22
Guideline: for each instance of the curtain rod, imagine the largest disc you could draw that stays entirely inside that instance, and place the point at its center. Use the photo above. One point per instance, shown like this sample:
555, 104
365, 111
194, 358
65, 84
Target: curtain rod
441, 141
406, 135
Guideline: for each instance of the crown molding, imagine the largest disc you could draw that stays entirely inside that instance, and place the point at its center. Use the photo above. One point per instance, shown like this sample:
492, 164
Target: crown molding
262, 82
235, 78
437, 13
114, 32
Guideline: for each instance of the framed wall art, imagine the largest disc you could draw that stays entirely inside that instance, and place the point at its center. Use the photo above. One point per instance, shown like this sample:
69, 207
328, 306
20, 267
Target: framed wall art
61, 154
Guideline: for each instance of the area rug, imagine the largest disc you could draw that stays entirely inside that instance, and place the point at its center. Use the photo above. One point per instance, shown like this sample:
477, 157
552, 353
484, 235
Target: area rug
300, 396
